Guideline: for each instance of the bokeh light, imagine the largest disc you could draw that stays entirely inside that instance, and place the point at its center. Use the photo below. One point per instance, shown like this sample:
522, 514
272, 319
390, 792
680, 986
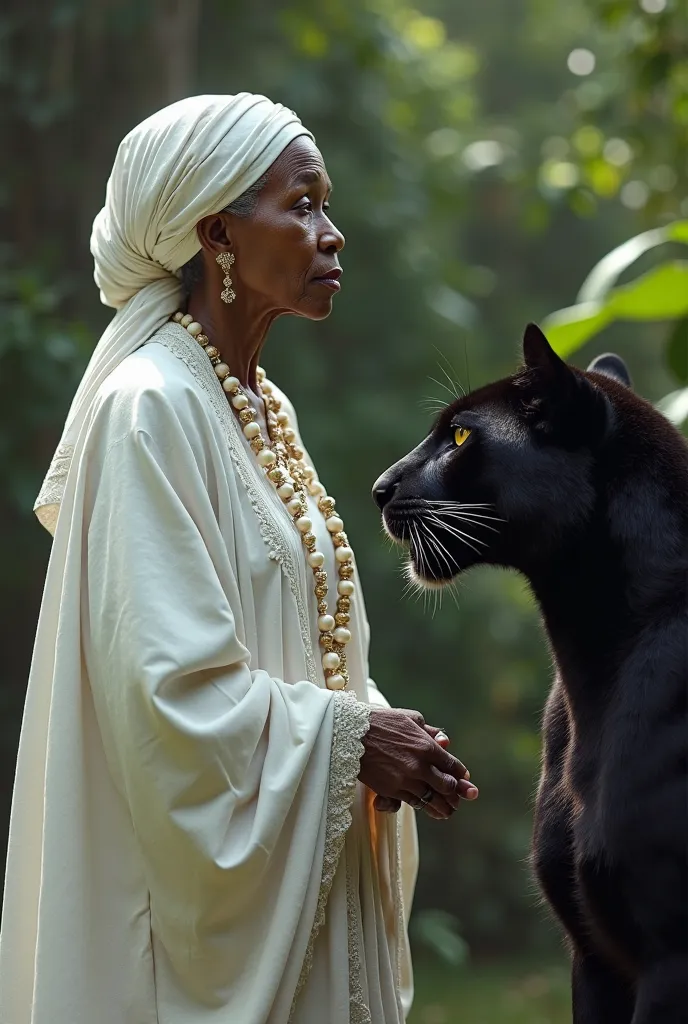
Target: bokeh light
581, 62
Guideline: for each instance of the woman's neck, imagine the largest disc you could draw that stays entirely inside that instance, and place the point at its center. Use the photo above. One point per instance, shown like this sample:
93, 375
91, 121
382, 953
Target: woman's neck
237, 330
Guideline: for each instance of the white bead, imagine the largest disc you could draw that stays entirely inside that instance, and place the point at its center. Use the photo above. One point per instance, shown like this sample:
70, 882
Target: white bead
221, 369
308, 472
240, 401
286, 491
231, 384
315, 559
194, 329
304, 524
316, 488
267, 458
334, 524
341, 635
345, 588
178, 317
331, 661
251, 430
325, 623
289, 435
282, 418
186, 320
343, 554
294, 506
336, 682
266, 387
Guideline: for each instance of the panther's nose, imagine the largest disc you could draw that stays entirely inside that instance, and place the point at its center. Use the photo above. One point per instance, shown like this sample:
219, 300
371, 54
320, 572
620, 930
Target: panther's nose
384, 488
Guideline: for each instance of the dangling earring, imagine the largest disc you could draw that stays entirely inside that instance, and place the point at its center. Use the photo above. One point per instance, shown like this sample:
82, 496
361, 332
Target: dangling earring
225, 261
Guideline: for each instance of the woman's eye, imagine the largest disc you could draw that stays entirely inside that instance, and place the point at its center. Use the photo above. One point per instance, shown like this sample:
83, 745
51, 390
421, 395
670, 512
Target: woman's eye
461, 434
306, 205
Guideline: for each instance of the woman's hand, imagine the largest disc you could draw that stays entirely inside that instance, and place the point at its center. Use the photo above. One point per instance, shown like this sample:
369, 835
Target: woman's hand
403, 761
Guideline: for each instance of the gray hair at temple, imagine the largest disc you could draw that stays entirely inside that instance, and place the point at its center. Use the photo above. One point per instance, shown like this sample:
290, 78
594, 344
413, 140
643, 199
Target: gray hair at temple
243, 206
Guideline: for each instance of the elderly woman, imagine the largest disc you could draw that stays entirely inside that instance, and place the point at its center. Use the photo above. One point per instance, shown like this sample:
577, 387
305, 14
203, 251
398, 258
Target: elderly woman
197, 832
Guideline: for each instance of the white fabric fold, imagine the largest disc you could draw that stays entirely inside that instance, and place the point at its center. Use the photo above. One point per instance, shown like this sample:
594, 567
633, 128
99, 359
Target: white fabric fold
186, 161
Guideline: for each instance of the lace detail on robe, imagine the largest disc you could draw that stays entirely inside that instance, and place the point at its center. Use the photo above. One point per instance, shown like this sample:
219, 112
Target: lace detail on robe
47, 504
182, 345
351, 723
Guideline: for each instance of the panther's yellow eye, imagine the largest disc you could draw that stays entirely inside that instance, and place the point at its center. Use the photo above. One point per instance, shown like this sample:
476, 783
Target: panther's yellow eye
461, 434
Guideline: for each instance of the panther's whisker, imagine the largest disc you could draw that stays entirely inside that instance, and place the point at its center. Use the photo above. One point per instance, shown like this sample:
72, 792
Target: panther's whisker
453, 380
467, 520
465, 537
439, 548
454, 396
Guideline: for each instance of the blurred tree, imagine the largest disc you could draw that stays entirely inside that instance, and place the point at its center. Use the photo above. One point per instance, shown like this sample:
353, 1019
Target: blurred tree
450, 133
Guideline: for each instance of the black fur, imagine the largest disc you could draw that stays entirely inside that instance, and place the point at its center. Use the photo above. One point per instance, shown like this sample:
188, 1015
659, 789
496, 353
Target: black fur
587, 487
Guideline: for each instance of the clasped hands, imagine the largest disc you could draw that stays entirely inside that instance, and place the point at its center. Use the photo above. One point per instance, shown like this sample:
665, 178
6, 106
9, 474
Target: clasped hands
403, 761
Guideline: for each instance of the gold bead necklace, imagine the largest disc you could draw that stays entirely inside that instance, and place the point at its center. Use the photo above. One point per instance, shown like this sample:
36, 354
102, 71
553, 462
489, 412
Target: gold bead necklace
283, 461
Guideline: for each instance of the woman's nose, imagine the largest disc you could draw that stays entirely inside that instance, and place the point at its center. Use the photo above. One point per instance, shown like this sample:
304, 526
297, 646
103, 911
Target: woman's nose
331, 240
384, 488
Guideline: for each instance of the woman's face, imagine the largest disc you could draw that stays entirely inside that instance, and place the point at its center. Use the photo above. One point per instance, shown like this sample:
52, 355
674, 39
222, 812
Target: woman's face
287, 250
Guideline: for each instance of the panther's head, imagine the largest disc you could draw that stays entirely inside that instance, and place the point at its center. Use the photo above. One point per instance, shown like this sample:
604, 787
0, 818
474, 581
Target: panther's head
509, 470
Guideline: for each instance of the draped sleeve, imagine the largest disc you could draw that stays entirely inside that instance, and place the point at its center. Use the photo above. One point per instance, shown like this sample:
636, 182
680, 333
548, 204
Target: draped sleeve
224, 769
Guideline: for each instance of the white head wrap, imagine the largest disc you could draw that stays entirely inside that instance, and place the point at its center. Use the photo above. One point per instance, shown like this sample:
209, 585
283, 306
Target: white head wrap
188, 160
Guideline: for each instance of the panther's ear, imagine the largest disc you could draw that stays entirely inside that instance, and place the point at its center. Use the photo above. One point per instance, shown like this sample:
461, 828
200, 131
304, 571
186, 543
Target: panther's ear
538, 354
612, 366
567, 401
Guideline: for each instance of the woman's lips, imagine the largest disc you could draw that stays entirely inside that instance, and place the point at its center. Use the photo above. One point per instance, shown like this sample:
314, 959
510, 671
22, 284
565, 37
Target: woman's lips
329, 280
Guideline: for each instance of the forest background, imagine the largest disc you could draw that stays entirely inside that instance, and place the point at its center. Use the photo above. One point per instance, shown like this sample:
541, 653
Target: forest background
485, 156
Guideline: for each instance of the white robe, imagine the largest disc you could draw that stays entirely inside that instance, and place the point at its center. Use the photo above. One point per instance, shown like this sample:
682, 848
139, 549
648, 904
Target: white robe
188, 842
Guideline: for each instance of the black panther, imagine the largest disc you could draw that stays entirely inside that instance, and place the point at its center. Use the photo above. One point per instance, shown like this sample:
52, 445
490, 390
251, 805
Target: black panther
573, 480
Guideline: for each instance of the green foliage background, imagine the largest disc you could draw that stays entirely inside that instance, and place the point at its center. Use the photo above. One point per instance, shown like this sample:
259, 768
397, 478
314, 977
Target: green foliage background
477, 179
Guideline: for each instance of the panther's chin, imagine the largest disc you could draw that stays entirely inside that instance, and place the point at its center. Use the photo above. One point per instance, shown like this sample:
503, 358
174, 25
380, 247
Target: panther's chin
424, 582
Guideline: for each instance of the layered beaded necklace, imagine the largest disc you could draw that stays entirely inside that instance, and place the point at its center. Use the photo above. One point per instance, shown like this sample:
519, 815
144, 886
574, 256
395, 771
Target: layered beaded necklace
283, 461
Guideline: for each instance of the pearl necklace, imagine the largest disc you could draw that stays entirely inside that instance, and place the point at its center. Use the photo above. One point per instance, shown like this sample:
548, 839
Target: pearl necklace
284, 463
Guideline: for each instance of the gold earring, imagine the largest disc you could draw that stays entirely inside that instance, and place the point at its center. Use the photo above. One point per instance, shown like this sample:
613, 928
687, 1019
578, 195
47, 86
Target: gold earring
225, 261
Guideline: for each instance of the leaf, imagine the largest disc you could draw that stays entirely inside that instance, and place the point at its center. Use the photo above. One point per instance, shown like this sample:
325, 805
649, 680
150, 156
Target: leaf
675, 407
660, 294
569, 328
607, 272
677, 351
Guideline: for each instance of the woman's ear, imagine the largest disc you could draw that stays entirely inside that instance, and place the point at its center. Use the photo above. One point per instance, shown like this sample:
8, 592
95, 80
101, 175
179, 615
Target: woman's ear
213, 233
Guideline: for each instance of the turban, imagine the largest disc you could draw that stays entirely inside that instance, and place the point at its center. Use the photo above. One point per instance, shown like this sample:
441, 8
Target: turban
186, 161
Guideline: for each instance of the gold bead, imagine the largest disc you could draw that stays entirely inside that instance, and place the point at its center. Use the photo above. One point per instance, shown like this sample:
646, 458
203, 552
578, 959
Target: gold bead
321, 577
320, 591
212, 352
339, 539
326, 641
326, 506
257, 444
247, 415
322, 607
203, 339
309, 540
344, 604
342, 619
297, 452
277, 476
346, 571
